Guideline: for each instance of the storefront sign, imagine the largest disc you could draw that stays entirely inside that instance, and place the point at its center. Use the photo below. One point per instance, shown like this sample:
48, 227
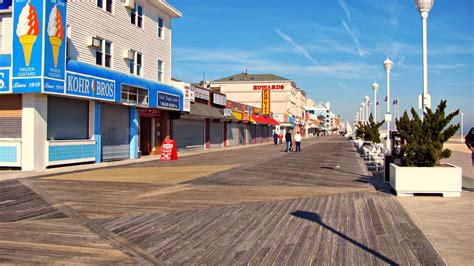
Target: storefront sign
201, 94
5, 4
168, 150
237, 115
219, 99
245, 117
266, 102
227, 112
256, 110
55, 46
89, 86
4, 80
167, 101
187, 99
192, 94
269, 87
27, 54
149, 112
39, 48
235, 106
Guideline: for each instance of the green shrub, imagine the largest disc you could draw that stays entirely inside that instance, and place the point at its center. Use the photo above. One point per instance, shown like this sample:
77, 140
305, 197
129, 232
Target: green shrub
369, 131
425, 138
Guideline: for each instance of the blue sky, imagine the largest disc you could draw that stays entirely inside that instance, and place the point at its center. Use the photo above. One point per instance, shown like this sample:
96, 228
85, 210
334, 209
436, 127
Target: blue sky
333, 49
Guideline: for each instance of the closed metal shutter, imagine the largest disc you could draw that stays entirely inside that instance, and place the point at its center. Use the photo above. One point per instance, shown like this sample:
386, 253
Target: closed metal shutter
115, 132
252, 133
216, 134
259, 134
233, 134
74, 125
188, 133
10, 116
242, 133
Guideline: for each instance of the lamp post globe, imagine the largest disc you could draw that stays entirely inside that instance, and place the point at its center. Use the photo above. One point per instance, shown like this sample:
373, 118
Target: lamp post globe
424, 6
375, 87
388, 64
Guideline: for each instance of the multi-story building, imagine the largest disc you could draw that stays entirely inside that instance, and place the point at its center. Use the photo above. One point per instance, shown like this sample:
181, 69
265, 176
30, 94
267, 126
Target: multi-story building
324, 110
287, 102
85, 81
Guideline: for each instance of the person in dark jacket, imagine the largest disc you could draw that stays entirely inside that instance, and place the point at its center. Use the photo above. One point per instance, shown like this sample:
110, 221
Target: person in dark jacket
275, 138
288, 140
469, 140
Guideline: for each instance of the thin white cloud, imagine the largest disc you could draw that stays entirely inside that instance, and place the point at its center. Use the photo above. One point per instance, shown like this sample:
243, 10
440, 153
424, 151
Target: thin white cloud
347, 89
295, 45
344, 6
362, 52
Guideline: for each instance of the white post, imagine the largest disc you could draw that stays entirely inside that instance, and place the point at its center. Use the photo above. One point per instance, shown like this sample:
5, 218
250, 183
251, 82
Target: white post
375, 106
34, 132
388, 108
426, 96
462, 127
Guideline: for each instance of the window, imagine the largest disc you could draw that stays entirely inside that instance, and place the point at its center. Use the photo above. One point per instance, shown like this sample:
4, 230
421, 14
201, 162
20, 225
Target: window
103, 54
136, 16
134, 96
160, 70
105, 5
160, 28
136, 64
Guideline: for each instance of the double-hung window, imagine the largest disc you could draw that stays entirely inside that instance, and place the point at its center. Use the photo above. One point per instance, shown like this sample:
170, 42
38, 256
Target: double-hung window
105, 5
136, 16
103, 54
160, 70
160, 28
136, 64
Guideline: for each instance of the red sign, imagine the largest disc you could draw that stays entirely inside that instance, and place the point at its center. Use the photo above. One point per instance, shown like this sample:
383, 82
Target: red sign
266, 101
168, 150
269, 87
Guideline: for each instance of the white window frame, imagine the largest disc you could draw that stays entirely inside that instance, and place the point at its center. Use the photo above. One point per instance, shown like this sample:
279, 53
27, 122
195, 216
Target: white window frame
160, 30
134, 12
161, 73
135, 65
103, 53
104, 5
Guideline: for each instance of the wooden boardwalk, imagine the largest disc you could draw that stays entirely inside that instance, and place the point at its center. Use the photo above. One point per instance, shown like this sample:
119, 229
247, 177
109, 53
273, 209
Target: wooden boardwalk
314, 207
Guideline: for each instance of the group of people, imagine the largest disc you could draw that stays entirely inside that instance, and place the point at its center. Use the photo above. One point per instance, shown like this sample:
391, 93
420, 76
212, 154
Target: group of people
278, 138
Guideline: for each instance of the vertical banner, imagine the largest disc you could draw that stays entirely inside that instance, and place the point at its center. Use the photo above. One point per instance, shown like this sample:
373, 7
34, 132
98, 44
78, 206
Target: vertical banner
27, 56
55, 46
266, 101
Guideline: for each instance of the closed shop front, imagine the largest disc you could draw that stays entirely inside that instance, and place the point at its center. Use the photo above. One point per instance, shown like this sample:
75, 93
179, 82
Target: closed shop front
68, 119
188, 133
242, 134
216, 131
259, 133
10, 116
115, 124
233, 134
252, 135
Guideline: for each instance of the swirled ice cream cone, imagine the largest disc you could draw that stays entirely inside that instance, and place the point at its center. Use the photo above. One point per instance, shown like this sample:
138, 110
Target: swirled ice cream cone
55, 32
27, 30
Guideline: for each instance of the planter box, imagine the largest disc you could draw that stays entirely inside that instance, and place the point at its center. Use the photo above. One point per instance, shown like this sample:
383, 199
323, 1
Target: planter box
446, 180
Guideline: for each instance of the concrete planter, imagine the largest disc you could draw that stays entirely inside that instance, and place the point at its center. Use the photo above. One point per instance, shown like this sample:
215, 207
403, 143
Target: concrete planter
446, 180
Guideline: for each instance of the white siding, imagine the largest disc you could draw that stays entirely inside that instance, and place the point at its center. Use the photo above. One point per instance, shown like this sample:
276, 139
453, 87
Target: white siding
86, 19
7, 28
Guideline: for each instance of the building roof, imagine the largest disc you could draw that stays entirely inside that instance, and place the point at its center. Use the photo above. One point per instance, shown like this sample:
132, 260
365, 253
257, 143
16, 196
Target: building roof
250, 77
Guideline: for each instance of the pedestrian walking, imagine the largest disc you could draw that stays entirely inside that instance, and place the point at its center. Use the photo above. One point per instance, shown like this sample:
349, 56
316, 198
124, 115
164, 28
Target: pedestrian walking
275, 138
298, 141
469, 140
288, 140
280, 138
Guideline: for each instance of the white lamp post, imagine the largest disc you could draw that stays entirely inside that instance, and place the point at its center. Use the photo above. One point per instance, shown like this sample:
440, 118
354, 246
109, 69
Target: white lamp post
367, 104
388, 117
424, 6
375, 87
362, 107
462, 126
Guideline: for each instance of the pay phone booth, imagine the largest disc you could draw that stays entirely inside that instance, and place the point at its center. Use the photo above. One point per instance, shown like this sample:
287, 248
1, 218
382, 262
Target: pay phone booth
396, 154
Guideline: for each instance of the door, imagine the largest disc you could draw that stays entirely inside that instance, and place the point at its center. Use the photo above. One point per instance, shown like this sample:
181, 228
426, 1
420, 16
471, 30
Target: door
145, 135
115, 132
216, 134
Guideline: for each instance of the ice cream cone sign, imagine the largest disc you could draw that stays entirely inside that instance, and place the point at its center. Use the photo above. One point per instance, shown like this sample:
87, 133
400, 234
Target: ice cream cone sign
27, 30
55, 32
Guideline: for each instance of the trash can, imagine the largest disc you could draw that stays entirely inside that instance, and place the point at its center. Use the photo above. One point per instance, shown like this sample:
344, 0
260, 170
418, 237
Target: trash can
387, 161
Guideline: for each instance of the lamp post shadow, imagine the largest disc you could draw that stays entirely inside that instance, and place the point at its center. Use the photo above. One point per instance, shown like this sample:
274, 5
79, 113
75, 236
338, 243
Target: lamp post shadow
314, 217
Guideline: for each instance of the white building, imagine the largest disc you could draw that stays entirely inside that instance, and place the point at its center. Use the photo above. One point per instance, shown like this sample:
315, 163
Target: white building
107, 95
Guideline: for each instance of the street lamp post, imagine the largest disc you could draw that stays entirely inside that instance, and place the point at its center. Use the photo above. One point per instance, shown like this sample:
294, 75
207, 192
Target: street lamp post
388, 117
362, 107
424, 6
367, 104
462, 126
375, 87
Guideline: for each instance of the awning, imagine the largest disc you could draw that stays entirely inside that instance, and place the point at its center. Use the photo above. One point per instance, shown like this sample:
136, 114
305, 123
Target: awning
272, 121
237, 115
206, 111
168, 95
258, 119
